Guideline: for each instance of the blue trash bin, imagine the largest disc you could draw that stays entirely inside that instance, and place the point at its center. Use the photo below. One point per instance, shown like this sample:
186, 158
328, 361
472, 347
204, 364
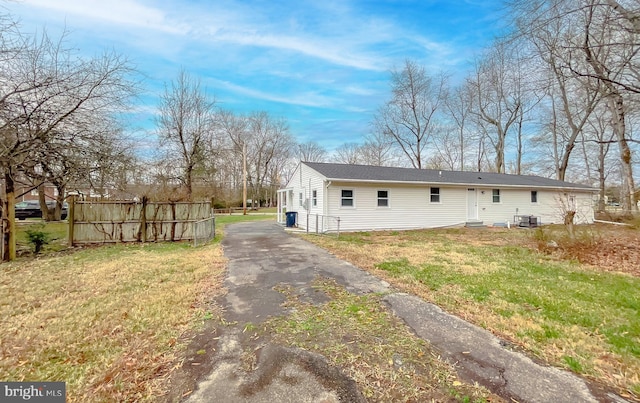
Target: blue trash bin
291, 218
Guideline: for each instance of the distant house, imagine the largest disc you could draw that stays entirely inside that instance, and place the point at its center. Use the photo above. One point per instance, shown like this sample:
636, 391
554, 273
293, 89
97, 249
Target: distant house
27, 193
362, 197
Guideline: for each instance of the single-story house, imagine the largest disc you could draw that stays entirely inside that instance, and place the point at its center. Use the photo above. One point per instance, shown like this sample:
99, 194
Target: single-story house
360, 197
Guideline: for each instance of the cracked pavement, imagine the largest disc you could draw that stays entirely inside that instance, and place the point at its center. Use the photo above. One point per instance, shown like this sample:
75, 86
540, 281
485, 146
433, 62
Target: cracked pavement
262, 256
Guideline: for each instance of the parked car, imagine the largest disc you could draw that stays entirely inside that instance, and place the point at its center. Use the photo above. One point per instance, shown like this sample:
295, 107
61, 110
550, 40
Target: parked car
31, 209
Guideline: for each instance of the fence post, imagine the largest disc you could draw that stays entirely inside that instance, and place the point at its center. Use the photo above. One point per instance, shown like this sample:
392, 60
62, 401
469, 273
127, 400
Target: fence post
143, 219
338, 227
71, 217
194, 232
317, 223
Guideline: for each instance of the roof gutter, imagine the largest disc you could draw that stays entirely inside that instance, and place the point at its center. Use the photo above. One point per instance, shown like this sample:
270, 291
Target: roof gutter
501, 185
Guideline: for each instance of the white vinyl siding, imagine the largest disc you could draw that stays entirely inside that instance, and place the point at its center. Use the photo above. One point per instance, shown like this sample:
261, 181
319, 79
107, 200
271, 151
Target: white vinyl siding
518, 202
409, 211
407, 208
303, 182
410, 205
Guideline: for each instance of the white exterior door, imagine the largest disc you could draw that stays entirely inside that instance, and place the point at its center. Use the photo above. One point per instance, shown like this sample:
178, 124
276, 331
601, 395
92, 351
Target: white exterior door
472, 204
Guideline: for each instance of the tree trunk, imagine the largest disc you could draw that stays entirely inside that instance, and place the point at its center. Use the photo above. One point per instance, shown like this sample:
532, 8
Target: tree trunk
568, 222
519, 144
188, 183
601, 177
462, 149
62, 189
500, 152
9, 236
47, 215
616, 104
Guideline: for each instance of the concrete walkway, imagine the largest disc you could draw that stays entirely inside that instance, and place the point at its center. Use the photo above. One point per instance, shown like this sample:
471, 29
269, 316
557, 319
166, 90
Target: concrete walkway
262, 256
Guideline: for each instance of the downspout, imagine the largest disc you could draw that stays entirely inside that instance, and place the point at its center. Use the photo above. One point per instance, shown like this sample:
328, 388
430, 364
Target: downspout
325, 202
309, 204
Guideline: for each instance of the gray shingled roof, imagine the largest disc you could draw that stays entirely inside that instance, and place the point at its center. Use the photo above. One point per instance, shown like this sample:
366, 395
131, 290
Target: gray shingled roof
390, 174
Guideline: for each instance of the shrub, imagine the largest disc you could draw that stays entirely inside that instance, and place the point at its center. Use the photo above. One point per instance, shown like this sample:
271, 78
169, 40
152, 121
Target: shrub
37, 238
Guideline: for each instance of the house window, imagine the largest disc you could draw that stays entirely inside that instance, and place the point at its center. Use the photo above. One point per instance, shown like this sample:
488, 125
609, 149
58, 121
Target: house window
435, 195
347, 198
314, 198
34, 192
534, 196
496, 195
300, 199
383, 198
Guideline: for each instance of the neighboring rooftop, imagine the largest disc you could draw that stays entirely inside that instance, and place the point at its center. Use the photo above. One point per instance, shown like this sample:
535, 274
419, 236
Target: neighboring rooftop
361, 173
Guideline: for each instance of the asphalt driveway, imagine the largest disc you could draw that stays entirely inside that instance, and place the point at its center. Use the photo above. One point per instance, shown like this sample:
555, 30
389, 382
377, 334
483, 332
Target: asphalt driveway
263, 256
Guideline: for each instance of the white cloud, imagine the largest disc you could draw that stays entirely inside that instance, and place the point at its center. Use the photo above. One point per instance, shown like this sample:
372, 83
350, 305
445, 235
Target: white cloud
352, 89
125, 12
341, 36
310, 47
307, 99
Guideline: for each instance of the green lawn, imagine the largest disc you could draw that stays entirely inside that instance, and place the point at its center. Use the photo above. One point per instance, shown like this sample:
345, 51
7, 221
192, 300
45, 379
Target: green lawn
57, 233
572, 315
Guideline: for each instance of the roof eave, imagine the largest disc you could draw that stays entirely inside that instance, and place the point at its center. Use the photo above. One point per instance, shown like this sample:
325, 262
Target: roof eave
502, 185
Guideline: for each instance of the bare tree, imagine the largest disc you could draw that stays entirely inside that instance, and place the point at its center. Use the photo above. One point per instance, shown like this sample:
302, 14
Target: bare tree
45, 91
348, 153
596, 143
409, 117
447, 152
608, 64
603, 51
573, 98
458, 104
269, 141
311, 152
496, 101
185, 123
235, 128
267, 145
378, 150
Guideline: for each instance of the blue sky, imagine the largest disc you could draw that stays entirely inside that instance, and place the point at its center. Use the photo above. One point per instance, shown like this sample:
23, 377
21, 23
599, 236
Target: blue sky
323, 65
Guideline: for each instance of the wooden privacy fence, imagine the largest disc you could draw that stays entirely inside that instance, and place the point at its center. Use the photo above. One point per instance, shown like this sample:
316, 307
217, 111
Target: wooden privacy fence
129, 221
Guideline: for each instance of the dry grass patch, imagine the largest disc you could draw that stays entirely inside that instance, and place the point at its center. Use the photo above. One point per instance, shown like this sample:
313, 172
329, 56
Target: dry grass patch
607, 247
384, 357
105, 320
575, 316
